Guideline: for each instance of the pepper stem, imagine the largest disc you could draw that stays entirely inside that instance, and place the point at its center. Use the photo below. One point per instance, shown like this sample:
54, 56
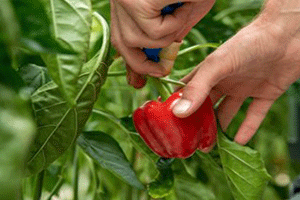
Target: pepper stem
164, 163
163, 91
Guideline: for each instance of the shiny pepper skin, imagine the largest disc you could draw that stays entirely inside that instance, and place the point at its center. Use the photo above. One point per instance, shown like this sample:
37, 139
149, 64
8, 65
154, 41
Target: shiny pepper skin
173, 137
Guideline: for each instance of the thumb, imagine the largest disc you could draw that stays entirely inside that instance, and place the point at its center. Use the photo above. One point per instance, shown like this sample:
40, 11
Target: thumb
201, 80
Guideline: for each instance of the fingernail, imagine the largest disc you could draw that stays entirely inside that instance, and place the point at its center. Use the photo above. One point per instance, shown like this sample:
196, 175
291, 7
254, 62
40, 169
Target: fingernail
182, 106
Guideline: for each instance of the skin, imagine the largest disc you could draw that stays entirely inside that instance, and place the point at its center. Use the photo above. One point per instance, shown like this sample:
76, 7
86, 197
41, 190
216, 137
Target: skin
261, 61
138, 23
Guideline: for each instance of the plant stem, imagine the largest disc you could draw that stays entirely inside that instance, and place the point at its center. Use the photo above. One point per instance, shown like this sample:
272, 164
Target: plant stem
97, 181
117, 62
128, 190
166, 80
56, 187
61, 179
117, 73
39, 186
21, 193
163, 92
76, 173
199, 46
112, 118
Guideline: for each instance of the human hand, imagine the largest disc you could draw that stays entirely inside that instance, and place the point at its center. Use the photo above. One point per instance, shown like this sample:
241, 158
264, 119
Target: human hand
136, 24
261, 61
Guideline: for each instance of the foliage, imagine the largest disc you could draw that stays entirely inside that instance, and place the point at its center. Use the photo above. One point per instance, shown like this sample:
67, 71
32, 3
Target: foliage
17, 129
65, 113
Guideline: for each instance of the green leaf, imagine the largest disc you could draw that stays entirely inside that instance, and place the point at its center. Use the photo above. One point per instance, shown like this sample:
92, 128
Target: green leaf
106, 151
188, 187
71, 21
126, 124
10, 78
140, 145
58, 124
216, 175
244, 168
163, 184
102, 7
8, 24
34, 76
17, 129
52, 175
9, 32
35, 27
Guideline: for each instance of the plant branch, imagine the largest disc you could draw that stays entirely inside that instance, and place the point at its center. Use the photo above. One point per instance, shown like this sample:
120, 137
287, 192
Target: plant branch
76, 173
117, 62
112, 118
196, 47
117, 73
174, 82
39, 186
163, 91
56, 187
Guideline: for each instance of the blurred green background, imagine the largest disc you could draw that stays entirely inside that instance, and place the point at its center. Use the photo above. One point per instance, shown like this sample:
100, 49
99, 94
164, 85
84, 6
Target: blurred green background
276, 139
279, 129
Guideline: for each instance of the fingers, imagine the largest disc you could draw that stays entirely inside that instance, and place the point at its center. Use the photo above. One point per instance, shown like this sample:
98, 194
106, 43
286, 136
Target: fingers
133, 35
228, 109
136, 80
147, 16
142, 24
134, 57
199, 10
202, 80
222, 63
161, 26
215, 96
167, 59
139, 24
257, 111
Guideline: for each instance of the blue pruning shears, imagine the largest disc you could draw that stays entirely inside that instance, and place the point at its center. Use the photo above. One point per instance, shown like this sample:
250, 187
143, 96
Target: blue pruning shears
153, 53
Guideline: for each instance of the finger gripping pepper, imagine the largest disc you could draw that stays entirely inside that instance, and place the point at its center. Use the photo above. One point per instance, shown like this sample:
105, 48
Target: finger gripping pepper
173, 137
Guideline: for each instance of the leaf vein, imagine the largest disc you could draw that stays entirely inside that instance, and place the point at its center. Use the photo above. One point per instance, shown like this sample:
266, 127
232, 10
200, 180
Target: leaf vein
78, 13
233, 171
51, 106
48, 138
238, 189
239, 159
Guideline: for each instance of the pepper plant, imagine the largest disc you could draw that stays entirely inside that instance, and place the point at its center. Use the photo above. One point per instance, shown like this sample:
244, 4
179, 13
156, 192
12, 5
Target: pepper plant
66, 126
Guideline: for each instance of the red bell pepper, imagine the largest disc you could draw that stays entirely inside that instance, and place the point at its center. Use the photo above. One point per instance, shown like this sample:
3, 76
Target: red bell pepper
173, 137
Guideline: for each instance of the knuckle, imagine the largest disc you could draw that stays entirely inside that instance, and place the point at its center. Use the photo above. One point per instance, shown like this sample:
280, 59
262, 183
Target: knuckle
227, 61
191, 88
196, 89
